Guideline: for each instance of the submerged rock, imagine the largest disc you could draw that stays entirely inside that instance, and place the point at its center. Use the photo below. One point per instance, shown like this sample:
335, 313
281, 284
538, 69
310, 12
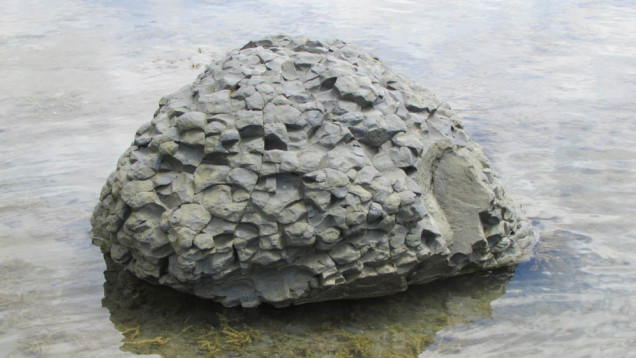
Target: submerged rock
295, 171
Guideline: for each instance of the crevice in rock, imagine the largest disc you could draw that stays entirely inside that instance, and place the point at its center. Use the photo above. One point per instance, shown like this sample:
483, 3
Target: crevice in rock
328, 83
351, 275
170, 163
272, 142
163, 266
189, 168
488, 219
460, 260
215, 159
429, 239
409, 171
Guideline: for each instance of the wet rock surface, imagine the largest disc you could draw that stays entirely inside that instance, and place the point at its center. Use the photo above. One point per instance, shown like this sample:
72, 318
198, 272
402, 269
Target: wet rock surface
294, 171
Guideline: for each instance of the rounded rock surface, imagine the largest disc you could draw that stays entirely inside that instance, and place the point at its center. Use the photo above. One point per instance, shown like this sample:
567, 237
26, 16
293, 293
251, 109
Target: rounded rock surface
295, 170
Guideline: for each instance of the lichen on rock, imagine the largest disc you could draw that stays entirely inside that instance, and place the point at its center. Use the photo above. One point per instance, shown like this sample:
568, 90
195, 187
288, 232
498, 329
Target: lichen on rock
294, 171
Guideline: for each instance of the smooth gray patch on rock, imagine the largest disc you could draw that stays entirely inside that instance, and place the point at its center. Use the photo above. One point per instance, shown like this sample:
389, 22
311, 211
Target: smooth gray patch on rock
295, 171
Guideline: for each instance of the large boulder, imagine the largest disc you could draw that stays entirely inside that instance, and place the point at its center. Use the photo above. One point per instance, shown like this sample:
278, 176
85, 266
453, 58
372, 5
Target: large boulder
295, 170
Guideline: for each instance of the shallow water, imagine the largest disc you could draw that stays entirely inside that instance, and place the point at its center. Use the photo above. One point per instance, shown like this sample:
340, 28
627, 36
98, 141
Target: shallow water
547, 87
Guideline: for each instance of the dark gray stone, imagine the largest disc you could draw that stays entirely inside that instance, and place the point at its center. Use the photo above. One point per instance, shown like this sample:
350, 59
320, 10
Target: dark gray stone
296, 170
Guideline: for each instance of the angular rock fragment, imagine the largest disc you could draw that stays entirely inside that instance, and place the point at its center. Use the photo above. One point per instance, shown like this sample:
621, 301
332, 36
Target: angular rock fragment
297, 170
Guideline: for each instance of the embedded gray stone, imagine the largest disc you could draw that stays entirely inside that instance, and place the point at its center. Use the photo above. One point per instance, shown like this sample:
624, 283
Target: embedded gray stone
296, 170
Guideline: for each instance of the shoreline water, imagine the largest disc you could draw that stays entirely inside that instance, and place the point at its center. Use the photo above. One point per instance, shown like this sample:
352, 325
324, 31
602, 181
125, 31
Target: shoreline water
545, 87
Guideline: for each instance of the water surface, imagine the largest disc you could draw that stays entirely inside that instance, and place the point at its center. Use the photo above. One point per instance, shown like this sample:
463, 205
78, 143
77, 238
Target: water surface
547, 87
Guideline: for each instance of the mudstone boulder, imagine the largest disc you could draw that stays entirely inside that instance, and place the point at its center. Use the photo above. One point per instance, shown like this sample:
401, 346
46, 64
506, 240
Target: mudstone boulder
294, 171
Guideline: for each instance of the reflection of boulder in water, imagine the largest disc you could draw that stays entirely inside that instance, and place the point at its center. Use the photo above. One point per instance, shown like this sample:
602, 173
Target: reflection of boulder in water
158, 320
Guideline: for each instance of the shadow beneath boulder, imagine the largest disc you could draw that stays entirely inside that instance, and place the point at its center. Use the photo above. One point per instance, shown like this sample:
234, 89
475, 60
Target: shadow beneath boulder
159, 320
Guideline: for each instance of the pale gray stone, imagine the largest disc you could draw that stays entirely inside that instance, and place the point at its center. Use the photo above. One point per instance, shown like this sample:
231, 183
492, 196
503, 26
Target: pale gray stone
218, 201
366, 175
295, 91
119, 253
360, 192
375, 212
139, 193
207, 175
330, 134
346, 87
192, 216
291, 213
312, 117
255, 101
330, 235
244, 92
344, 253
288, 115
229, 137
189, 154
215, 127
419, 102
402, 157
204, 241
243, 178
288, 70
217, 102
299, 233
408, 140
227, 81
193, 137
191, 120
183, 187
266, 258
346, 157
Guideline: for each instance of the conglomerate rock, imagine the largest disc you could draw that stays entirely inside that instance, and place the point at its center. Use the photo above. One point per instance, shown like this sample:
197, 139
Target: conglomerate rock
294, 171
